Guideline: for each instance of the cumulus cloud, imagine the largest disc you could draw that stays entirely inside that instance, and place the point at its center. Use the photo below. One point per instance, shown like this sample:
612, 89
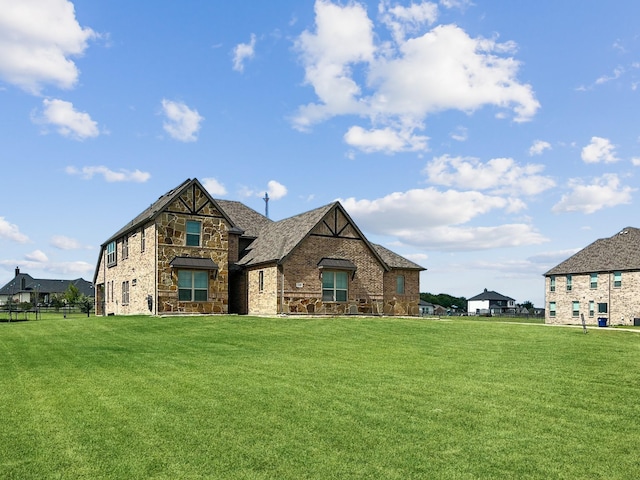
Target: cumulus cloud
599, 150
67, 120
602, 192
432, 219
181, 123
38, 39
276, 190
122, 175
37, 256
11, 231
498, 175
213, 186
243, 52
387, 140
65, 243
635, 161
538, 147
406, 79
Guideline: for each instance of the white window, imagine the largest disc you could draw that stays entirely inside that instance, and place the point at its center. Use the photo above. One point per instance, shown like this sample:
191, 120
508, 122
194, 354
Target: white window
594, 280
111, 254
575, 310
125, 293
617, 279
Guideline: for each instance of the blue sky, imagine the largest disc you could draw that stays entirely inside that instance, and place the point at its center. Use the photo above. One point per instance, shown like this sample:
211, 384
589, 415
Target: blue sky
485, 140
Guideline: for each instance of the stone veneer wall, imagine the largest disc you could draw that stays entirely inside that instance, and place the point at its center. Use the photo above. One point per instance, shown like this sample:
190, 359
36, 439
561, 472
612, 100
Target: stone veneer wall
214, 244
303, 285
402, 304
623, 303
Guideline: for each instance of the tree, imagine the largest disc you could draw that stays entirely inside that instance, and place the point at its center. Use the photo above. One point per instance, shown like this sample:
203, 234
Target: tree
85, 303
57, 302
445, 300
72, 295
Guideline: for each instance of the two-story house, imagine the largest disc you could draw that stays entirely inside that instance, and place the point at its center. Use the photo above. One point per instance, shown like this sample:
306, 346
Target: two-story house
190, 253
601, 281
491, 303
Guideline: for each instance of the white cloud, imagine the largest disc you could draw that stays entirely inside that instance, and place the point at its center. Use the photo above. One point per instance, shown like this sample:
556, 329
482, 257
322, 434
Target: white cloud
405, 81
109, 175
402, 21
68, 121
603, 192
635, 161
599, 150
243, 52
276, 190
617, 73
37, 256
182, 123
460, 134
213, 186
10, 231
498, 175
538, 147
385, 140
38, 38
65, 243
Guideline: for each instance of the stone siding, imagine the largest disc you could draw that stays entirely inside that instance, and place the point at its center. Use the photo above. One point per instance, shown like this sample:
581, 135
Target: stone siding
623, 303
402, 304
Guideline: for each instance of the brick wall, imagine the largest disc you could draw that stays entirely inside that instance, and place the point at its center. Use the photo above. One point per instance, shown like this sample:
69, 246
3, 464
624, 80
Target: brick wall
623, 303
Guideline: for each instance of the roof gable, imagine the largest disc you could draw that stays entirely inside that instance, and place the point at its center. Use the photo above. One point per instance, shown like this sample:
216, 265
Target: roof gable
490, 295
190, 197
616, 253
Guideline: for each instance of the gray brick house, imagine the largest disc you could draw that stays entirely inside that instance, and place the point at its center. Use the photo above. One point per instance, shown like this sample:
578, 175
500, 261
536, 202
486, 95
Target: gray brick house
600, 281
24, 288
190, 253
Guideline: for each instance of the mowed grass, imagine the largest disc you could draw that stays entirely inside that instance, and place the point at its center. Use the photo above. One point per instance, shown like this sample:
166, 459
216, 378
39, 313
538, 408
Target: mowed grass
290, 398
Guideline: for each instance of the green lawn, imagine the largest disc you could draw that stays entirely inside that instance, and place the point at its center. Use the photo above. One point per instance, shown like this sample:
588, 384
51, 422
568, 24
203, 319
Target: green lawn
290, 398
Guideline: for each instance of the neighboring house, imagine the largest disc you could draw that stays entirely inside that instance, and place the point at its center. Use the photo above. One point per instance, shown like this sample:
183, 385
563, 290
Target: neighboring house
491, 303
426, 308
24, 288
190, 253
600, 281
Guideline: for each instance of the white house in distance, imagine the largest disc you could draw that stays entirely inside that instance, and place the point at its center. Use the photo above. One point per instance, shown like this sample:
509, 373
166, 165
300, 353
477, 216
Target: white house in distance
490, 303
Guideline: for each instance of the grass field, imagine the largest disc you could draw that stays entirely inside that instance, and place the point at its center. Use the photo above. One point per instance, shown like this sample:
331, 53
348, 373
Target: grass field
290, 398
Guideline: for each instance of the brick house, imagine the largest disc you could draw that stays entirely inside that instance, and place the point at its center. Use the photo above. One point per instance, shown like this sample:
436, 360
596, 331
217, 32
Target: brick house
600, 281
190, 253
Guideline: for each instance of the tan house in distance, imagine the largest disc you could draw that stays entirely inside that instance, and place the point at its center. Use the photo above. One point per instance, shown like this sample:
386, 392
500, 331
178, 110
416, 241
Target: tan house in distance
601, 281
190, 253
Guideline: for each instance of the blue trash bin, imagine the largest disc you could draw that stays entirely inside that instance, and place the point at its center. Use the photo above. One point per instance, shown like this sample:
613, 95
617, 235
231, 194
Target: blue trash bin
602, 322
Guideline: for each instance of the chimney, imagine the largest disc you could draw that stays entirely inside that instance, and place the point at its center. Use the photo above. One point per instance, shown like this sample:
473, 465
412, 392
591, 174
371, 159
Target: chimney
17, 271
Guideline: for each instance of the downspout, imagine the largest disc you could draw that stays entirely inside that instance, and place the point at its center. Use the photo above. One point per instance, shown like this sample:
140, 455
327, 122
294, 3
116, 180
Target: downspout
104, 285
282, 289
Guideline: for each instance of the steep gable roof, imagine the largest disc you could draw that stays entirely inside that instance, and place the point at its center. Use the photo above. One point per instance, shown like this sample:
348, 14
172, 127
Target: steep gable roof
616, 253
279, 239
490, 295
161, 204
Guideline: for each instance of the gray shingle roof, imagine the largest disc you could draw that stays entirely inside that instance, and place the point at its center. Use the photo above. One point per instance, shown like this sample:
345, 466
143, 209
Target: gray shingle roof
490, 295
616, 253
243, 217
393, 260
278, 239
43, 285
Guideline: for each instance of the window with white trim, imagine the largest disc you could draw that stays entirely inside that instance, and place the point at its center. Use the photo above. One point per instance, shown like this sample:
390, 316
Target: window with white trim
111, 254
593, 283
193, 233
125, 292
592, 308
552, 284
335, 286
193, 285
569, 283
552, 309
617, 279
575, 309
